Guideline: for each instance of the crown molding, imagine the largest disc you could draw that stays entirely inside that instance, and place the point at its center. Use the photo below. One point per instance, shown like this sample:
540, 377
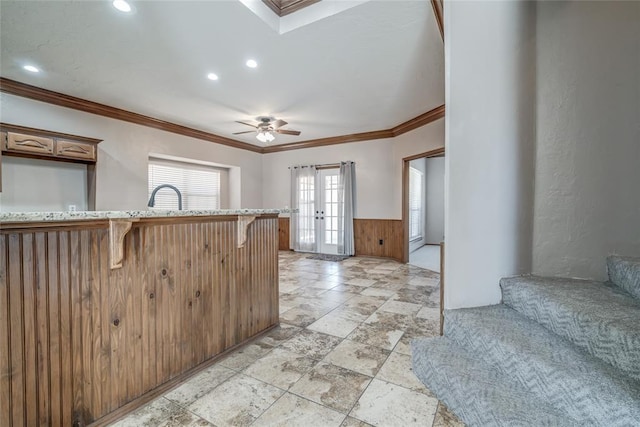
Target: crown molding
286, 7
421, 120
438, 11
409, 125
342, 139
44, 95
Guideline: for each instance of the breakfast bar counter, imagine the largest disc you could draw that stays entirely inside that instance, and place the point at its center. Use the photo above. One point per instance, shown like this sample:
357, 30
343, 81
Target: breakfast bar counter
100, 311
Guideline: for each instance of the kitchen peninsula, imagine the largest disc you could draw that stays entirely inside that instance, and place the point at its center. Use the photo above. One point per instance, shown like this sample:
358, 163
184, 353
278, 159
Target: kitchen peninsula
99, 311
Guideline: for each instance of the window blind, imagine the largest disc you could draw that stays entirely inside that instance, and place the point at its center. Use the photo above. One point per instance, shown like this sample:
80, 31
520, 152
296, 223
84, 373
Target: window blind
199, 184
415, 204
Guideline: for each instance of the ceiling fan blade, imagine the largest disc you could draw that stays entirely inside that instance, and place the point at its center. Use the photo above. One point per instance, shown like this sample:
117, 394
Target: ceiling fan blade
248, 124
279, 123
288, 132
246, 131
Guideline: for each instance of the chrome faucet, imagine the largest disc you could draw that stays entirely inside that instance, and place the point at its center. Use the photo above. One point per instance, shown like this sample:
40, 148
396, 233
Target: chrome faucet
152, 199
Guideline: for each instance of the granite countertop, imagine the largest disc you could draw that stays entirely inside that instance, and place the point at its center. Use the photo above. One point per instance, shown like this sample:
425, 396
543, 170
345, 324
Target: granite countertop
155, 213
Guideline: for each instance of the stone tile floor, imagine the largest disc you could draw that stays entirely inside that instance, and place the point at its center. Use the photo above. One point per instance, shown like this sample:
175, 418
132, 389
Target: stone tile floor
340, 357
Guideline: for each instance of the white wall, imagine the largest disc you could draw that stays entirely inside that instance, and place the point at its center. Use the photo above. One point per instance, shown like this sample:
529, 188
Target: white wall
123, 153
490, 92
33, 185
434, 200
421, 165
588, 136
378, 169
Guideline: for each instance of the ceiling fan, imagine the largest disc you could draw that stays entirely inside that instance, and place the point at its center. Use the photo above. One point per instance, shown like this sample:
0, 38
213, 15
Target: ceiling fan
266, 127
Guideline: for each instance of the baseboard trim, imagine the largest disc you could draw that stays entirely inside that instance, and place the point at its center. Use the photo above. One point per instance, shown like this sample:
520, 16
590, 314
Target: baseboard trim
173, 383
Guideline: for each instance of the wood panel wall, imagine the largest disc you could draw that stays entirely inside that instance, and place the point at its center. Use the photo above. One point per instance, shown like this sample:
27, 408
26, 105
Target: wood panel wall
79, 340
369, 232
283, 234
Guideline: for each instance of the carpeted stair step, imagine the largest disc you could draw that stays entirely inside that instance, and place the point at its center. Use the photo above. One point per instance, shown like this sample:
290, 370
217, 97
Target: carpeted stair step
576, 383
625, 273
478, 394
598, 317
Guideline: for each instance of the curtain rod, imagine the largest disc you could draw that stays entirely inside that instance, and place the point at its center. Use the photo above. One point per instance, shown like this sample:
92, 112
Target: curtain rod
322, 166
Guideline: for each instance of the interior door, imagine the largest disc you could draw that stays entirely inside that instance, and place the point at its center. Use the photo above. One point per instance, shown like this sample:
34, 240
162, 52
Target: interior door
327, 211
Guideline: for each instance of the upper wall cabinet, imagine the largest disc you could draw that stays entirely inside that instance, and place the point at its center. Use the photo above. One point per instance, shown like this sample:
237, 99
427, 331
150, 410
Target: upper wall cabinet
75, 150
29, 144
47, 145
22, 141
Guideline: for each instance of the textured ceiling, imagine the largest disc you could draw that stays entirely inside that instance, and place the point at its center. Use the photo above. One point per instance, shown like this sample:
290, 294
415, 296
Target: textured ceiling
370, 67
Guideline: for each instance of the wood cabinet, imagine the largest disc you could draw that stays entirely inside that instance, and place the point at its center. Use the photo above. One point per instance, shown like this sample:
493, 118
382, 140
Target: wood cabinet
48, 145
75, 150
29, 143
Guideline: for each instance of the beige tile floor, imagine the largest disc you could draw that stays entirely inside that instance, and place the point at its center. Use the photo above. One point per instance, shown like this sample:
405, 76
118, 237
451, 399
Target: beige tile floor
340, 357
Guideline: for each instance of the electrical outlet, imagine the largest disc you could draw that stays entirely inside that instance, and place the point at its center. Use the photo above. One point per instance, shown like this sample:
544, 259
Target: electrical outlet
381, 242
72, 208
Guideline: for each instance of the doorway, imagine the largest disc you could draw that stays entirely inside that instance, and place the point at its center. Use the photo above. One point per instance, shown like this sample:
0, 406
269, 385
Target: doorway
315, 227
422, 199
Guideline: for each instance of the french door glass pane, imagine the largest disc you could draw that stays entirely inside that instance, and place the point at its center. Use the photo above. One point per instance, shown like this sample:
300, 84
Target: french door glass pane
331, 210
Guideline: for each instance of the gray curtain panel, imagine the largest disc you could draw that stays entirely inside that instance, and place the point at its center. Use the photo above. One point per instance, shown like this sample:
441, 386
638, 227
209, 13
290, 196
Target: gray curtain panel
346, 208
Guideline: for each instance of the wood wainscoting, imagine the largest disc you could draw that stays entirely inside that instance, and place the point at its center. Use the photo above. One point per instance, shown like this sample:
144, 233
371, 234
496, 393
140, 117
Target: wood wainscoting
78, 340
369, 232
283, 234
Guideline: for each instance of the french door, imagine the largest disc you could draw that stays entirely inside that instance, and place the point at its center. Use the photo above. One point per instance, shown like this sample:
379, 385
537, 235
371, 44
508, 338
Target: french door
316, 225
326, 218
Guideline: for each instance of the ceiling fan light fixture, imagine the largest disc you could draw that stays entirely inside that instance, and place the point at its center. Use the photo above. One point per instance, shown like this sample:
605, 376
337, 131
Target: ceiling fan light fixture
31, 68
122, 6
265, 136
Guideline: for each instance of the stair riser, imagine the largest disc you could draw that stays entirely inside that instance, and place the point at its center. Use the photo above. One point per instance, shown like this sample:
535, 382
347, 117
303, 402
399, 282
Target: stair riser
603, 339
474, 392
573, 392
625, 273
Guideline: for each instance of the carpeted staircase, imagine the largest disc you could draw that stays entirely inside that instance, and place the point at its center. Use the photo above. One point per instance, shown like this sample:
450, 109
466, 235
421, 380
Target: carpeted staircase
557, 352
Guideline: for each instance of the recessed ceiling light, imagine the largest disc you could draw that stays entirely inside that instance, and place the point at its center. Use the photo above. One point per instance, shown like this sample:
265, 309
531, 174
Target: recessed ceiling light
212, 76
252, 63
31, 69
122, 5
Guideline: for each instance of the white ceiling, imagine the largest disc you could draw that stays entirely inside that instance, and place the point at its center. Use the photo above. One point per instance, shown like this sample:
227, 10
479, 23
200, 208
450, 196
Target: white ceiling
368, 68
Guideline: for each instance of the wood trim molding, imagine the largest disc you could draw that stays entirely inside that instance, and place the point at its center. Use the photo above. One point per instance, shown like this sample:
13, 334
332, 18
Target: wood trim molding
355, 137
438, 152
441, 288
287, 7
44, 95
409, 125
421, 120
438, 11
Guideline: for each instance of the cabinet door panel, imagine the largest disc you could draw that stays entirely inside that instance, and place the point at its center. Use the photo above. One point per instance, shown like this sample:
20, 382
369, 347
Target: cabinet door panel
29, 143
75, 150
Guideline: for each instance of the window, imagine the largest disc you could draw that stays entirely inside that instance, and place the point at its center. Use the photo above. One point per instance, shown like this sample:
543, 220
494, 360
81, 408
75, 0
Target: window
415, 204
199, 184
306, 226
331, 209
